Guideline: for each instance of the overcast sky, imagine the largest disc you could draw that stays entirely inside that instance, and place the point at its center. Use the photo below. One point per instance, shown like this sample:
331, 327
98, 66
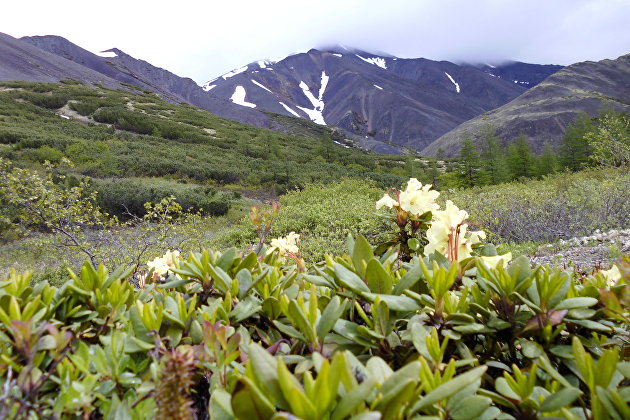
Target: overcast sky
203, 39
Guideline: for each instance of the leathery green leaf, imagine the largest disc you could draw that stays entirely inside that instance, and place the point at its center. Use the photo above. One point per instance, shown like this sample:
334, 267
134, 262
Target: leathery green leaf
450, 388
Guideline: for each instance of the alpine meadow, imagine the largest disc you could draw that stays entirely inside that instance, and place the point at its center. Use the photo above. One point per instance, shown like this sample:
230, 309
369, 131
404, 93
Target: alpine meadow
416, 216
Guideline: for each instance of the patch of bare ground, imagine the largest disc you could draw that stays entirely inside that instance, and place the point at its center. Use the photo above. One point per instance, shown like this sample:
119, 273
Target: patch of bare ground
599, 250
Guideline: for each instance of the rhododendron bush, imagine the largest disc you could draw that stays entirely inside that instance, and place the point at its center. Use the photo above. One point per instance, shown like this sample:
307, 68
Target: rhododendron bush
433, 323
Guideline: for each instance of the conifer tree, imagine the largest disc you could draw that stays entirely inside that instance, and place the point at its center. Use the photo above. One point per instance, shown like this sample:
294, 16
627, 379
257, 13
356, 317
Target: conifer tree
493, 156
575, 149
520, 159
547, 162
470, 170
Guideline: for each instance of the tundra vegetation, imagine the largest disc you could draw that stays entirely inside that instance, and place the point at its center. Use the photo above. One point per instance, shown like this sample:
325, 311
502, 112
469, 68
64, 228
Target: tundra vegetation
433, 323
340, 302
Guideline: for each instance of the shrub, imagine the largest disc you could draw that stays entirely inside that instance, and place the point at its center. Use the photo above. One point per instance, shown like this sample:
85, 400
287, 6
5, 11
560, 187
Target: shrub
238, 335
559, 206
119, 196
324, 215
50, 101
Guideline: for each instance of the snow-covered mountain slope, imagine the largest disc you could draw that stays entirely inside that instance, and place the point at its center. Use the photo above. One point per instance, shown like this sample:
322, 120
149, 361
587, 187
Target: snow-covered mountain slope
119, 66
407, 102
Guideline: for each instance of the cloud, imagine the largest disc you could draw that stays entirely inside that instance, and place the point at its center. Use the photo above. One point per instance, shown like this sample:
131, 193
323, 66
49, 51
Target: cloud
203, 39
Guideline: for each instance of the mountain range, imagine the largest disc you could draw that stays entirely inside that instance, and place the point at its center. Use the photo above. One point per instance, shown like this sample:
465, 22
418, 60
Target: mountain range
378, 102
379, 99
543, 112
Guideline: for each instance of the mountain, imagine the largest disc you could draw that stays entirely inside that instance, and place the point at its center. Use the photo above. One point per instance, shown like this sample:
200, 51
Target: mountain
115, 68
543, 112
525, 74
378, 98
23, 61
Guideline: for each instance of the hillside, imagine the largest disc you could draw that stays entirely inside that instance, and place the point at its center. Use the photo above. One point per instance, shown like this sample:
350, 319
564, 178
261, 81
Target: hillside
110, 133
402, 102
543, 112
53, 58
381, 103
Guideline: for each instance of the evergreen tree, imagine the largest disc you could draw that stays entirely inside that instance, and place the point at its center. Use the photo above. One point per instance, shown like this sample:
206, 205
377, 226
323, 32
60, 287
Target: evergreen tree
470, 161
326, 147
520, 159
547, 162
493, 156
433, 173
575, 149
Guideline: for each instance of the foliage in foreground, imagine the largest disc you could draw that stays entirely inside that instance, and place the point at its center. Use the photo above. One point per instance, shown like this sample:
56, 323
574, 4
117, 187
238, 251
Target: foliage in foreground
353, 335
442, 330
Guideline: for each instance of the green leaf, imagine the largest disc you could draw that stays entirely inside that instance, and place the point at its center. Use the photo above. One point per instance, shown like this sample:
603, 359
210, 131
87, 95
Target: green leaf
562, 398
353, 399
378, 279
450, 388
575, 303
520, 269
410, 278
413, 244
265, 368
329, 317
221, 405
395, 303
227, 259
531, 349
361, 254
350, 280
244, 277
173, 284
470, 408
249, 402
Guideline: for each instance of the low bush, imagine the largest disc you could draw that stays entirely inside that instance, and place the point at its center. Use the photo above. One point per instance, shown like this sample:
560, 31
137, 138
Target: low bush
559, 206
324, 215
243, 336
119, 196
45, 100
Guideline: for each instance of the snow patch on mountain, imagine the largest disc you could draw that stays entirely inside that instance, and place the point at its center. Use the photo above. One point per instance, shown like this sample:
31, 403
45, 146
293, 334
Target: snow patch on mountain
238, 97
289, 109
234, 72
454, 82
338, 55
315, 114
377, 61
341, 144
264, 63
207, 87
378, 87
260, 85
107, 54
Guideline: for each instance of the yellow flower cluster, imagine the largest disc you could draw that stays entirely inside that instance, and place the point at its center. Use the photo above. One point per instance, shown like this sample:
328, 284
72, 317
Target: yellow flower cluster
612, 276
287, 245
448, 233
416, 199
162, 265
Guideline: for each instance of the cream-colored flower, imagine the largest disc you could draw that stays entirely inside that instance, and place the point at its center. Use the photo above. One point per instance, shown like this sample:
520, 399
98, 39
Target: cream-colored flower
612, 276
285, 245
386, 201
493, 262
159, 266
171, 257
414, 185
162, 265
419, 201
445, 223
